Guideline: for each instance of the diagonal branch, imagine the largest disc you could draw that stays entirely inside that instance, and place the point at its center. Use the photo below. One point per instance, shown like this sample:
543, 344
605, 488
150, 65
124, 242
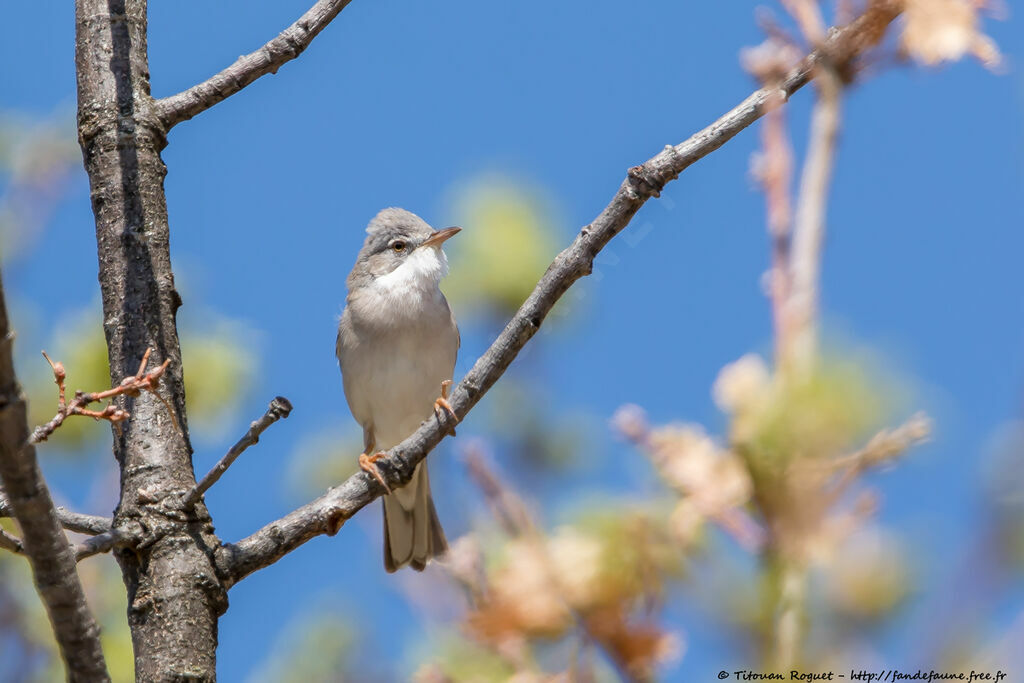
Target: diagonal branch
11, 542
43, 538
328, 512
279, 407
285, 47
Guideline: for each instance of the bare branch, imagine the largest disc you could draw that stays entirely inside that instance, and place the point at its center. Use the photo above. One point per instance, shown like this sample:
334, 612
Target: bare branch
327, 513
129, 386
11, 542
107, 541
43, 538
508, 508
280, 407
72, 521
809, 219
83, 523
884, 447
285, 47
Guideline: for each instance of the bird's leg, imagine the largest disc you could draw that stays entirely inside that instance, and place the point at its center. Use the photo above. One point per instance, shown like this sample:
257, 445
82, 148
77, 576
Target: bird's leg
442, 404
367, 463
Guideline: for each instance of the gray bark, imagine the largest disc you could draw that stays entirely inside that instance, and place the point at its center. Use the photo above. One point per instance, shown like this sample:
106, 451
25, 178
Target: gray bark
174, 594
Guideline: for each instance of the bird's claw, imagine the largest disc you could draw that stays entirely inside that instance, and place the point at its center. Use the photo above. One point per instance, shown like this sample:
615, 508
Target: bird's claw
442, 404
368, 464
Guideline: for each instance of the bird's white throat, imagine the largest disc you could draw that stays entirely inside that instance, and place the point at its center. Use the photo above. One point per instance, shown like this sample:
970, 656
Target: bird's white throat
420, 273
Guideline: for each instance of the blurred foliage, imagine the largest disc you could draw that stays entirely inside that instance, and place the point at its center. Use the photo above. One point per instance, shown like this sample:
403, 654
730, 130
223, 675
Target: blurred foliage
521, 418
459, 659
812, 416
37, 158
869, 576
315, 648
218, 373
106, 595
508, 240
324, 458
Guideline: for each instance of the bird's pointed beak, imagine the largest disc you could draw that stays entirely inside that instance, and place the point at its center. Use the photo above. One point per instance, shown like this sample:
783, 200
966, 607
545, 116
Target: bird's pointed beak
439, 236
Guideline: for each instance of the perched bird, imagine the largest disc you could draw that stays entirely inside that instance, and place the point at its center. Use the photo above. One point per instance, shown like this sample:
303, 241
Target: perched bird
397, 342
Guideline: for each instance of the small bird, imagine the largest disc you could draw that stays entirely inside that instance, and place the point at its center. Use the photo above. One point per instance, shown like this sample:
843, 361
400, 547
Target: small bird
397, 342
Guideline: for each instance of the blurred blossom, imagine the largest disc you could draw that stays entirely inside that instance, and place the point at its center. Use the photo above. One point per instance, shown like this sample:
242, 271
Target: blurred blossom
639, 648
465, 562
869, 576
770, 60
576, 562
946, 30
693, 464
686, 522
821, 415
523, 586
630, 421
741, 384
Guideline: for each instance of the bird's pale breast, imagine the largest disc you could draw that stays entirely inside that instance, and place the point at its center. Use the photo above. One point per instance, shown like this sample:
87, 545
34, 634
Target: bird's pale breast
393, 371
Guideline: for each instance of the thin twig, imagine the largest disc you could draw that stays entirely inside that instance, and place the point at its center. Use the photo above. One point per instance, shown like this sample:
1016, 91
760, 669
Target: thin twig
106, 542
883, 447
507, 508
129, 386
790, 612
773, 168
11, 542
247, 68
809, 219
72, 521
280, 407
326, 514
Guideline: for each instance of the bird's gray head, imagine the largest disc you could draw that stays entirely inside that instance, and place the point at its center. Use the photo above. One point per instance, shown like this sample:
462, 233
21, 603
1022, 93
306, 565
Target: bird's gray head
400, 250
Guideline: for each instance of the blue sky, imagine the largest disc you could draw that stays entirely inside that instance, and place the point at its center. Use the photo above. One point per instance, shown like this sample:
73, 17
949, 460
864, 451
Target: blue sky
399, 101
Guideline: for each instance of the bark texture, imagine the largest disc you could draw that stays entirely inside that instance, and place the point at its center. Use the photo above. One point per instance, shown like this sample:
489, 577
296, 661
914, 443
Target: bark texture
174, 594
43, 539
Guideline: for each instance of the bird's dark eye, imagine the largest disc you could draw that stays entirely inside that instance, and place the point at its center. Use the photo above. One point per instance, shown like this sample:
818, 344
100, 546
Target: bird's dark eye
398, 246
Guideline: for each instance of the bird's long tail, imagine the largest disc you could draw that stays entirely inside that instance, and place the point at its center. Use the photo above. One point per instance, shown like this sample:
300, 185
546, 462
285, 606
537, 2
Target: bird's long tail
412, 530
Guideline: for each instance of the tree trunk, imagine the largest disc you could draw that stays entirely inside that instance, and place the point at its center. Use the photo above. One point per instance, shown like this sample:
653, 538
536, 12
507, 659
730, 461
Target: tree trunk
174, 593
